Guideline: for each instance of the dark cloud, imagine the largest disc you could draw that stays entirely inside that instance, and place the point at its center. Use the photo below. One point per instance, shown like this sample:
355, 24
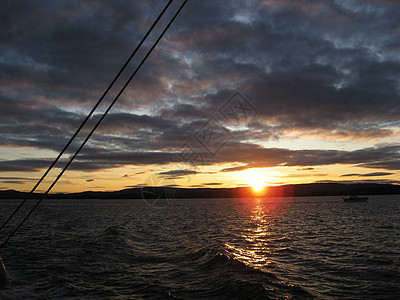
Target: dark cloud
306, 76
374, 174
24, 165
305, 175
16, 178
248, 155
256, 157
378, 181
176, 174
388, 164
13, 181
306, 169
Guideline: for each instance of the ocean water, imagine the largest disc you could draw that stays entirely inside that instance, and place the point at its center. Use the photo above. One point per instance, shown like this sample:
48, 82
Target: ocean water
272, 248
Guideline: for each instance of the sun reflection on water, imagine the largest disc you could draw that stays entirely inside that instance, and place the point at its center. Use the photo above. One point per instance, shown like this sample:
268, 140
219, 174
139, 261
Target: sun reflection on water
255, 243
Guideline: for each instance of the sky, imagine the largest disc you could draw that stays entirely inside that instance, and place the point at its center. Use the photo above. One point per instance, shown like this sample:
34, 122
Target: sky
237, 92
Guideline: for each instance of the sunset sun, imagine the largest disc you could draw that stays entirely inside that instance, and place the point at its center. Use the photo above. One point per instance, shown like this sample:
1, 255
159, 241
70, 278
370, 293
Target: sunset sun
257, 180
257, 183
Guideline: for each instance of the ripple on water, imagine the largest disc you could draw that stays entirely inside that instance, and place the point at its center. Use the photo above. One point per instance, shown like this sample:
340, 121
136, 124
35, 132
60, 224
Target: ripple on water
231, 249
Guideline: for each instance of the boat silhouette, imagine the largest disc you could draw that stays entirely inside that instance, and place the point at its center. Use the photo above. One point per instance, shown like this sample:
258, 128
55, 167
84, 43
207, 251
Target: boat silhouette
355, 198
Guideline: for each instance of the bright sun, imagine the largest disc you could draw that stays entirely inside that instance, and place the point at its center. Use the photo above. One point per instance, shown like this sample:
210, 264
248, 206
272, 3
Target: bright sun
257, 182
258, 178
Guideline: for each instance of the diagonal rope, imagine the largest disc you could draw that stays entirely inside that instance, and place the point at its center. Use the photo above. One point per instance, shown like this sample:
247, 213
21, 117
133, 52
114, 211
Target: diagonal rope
98, 122
89, 115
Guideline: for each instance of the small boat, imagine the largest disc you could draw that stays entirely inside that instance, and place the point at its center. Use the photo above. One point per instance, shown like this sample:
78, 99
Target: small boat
354, 198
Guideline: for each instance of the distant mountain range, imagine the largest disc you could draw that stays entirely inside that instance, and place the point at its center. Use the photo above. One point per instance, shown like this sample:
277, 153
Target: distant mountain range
296, 190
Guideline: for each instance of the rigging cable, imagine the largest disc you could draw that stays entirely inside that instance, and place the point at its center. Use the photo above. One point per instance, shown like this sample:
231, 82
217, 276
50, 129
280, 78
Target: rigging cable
98, 123
89, 114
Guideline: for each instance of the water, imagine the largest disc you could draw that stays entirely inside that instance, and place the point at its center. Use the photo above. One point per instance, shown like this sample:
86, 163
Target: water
315, 247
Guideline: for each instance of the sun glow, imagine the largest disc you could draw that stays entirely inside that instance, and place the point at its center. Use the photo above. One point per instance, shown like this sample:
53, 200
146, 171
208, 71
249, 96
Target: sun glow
257, 180
257, 183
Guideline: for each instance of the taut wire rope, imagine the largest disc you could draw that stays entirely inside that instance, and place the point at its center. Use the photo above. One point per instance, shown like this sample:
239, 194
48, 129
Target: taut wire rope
98, 122
89, 115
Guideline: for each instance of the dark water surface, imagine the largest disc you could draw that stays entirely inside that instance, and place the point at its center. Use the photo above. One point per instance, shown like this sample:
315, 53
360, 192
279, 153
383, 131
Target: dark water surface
296, 248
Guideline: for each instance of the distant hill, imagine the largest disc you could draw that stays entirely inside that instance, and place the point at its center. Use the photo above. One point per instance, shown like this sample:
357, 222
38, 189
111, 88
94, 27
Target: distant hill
295, 190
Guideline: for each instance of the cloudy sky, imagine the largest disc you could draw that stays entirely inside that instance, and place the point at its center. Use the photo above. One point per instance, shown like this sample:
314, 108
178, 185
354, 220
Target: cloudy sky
286, 91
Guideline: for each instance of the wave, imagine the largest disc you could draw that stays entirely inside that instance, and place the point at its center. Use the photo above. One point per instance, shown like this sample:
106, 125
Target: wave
239, 280
209, 272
